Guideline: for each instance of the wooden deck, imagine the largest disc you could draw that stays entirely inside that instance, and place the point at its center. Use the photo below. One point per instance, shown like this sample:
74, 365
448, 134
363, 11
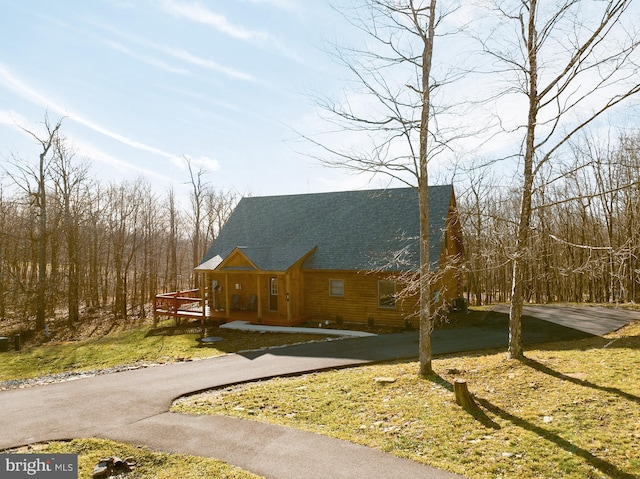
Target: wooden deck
179, 305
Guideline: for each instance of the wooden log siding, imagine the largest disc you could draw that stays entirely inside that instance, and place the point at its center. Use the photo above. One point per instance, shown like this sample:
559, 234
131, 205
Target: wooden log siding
360, 300
296, 292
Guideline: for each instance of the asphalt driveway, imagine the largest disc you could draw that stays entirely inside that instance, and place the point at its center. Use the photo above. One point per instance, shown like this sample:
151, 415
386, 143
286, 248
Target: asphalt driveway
596, 320
132, 406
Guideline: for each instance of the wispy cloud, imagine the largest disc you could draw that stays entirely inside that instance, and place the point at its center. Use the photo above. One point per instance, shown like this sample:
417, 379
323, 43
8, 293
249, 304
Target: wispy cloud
208, 64
205, 162
172, 52
196, 12
122, 4
88, 150
17, 121
201, 99
145, 59
289, 5
22, 89
12, 119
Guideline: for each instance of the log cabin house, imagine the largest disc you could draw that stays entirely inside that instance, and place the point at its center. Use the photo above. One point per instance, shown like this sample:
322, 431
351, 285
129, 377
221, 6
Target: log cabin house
345, 256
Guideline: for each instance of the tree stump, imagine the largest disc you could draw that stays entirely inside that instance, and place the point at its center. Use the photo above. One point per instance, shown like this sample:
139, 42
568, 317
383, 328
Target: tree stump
463, 396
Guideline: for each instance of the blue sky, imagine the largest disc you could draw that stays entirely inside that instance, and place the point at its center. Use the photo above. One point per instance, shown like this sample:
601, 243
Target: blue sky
144, 83
141, 83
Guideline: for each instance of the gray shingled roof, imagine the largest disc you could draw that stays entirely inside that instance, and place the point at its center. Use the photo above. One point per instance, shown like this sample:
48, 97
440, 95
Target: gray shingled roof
351, 230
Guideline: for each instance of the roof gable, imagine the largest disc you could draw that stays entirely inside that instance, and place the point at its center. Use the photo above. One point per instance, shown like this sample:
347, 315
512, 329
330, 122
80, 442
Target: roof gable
237, 260
351, 230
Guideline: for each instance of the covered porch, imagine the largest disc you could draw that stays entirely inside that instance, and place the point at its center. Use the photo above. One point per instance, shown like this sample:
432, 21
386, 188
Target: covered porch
258, 297
209, 304
236, 288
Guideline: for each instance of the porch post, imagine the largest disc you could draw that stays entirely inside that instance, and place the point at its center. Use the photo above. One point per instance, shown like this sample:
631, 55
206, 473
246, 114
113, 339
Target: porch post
287, 297
176, 318
203, 299
227, 305
259, 296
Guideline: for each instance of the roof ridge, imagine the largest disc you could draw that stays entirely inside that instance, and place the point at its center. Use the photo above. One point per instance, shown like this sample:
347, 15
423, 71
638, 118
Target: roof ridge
373, 190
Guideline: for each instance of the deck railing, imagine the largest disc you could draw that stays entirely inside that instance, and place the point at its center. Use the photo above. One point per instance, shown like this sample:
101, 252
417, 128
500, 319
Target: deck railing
178, 304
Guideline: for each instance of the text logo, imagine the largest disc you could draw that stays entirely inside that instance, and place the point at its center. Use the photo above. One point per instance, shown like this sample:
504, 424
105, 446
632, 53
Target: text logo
37, 466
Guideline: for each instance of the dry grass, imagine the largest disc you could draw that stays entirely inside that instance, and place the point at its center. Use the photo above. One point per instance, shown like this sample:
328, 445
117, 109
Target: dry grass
132, 347
150, 464
570, 410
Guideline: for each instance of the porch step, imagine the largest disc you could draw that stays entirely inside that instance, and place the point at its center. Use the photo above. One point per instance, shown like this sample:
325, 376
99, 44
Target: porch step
247, 326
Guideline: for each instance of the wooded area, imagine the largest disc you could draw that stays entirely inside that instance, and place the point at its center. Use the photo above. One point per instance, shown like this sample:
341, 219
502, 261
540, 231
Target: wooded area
109, 247
114, 247
553, 217
585, 231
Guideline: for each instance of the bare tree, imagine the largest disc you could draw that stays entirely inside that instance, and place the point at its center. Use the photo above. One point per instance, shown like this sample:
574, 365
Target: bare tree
70, 180
124, 218
583, 245
23, 177
96, 245
571, 61
218, 206
395, 74
480, 226
151, 251
171, 275
197, 197
5, 209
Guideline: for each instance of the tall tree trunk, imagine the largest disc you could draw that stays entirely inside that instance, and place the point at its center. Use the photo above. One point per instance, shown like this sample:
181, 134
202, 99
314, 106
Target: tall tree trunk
73, 272
426, 318
515, 350
173, 241
3, 304
42, 246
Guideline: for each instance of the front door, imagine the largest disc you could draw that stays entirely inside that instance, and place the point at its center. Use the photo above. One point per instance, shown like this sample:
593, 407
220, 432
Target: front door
273, 293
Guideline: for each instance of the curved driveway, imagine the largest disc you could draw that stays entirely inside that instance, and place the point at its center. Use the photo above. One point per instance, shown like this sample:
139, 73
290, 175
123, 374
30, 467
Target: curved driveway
133, 406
